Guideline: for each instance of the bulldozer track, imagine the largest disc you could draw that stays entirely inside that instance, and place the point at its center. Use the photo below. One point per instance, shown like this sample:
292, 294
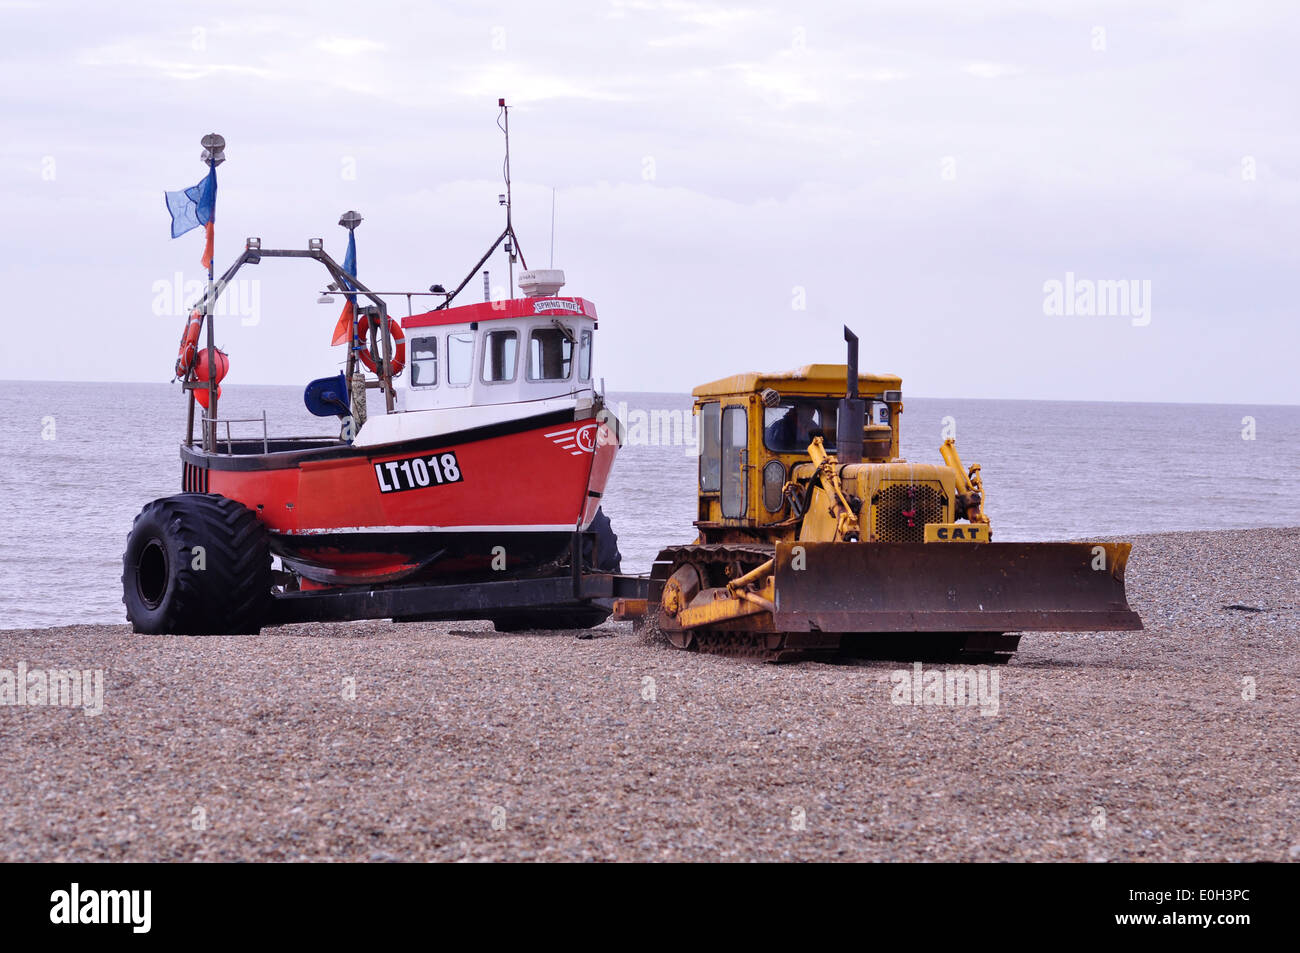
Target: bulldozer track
720, 562
717, 563
711, 556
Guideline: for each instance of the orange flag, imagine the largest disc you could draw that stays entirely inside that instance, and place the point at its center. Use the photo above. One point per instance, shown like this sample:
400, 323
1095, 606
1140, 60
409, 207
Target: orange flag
206, 260
343, 330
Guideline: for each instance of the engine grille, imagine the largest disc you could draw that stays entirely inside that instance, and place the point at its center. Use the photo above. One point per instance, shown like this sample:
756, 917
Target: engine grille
903, 510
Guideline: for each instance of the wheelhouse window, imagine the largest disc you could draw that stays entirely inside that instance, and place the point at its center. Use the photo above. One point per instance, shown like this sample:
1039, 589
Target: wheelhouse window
791, 425
550, 354
584, 356
500, 349
711, 447
460, 358
424, 362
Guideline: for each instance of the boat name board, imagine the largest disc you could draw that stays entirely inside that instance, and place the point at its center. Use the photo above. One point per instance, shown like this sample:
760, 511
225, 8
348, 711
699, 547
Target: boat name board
556, 304
416, 473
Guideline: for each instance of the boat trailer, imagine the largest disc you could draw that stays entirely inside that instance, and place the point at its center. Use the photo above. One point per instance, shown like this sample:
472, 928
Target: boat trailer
572, 598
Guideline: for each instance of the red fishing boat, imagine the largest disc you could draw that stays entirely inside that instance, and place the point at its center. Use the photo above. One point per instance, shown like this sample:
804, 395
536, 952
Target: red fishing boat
496, 444
474, 447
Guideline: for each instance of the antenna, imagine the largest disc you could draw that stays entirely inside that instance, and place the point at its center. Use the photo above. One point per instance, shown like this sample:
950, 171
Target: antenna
510, 228
508, 236
552, 227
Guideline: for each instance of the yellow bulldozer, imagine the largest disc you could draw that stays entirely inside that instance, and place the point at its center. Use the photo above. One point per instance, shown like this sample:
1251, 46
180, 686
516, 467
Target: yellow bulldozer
815, 537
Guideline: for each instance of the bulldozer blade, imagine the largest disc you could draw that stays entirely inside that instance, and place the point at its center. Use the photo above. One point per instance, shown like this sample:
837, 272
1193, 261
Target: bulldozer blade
952, 587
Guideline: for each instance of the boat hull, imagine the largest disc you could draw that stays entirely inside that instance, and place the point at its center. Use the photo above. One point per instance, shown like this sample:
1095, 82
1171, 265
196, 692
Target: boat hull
505, 497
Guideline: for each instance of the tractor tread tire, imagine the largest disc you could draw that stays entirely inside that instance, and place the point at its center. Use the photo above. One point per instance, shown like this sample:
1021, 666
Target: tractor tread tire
229, 595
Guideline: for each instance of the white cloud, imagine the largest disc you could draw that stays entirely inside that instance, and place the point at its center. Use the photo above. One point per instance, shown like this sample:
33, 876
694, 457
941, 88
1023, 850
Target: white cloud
348, 45
992, 70
130, 57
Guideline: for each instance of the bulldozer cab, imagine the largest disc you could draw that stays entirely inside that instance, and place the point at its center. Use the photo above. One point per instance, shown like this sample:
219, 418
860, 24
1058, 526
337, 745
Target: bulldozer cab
755, 430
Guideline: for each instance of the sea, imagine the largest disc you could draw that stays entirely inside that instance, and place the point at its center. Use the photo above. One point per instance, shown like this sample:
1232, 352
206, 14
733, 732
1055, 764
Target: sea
79, 460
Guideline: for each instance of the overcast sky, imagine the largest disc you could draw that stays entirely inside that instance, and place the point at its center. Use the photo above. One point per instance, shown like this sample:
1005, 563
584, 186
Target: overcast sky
734, 181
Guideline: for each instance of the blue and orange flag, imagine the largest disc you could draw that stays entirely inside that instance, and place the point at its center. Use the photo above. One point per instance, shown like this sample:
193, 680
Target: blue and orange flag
343, 330
193, 207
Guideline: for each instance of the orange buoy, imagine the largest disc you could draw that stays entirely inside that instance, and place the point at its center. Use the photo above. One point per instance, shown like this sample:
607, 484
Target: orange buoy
202, 371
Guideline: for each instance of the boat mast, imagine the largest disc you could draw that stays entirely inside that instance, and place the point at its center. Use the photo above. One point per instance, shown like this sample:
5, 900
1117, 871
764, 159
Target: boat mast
512, 243
213, 154
507, 236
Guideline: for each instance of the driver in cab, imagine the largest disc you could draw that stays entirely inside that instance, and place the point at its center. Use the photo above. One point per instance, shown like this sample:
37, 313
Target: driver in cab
795, 428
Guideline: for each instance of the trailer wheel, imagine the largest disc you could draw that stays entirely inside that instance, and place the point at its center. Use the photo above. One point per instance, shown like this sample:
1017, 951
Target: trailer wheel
571, 617
196, 564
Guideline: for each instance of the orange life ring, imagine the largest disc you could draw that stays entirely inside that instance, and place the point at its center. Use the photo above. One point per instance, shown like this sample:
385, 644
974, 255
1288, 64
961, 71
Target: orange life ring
189, 344
371, 324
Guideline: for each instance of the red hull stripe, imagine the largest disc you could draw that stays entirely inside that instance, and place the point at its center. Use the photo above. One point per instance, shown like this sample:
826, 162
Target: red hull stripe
486, 528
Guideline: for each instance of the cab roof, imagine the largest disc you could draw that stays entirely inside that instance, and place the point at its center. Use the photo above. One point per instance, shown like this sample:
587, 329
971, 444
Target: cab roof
503, 308
822, 380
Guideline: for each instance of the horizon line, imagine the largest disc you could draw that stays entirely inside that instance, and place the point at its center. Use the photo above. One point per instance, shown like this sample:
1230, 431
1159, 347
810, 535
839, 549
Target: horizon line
687, 393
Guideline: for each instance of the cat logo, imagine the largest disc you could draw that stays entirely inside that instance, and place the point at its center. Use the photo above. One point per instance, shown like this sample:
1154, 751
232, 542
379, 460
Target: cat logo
957, 533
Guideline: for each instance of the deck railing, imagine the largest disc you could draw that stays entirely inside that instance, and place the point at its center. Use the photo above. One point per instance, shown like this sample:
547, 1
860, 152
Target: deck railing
218, 421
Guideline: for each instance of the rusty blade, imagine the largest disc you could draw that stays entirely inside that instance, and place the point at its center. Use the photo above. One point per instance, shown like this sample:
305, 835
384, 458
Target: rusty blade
951, 587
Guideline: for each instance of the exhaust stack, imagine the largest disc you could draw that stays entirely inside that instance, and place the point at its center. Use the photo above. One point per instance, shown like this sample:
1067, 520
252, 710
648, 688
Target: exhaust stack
851, 419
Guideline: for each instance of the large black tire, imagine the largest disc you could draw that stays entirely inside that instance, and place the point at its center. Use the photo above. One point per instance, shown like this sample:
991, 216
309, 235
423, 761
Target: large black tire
168, 589
608, 558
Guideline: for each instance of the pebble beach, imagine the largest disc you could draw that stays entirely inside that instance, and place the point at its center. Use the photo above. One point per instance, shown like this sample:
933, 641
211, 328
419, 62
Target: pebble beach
449, 742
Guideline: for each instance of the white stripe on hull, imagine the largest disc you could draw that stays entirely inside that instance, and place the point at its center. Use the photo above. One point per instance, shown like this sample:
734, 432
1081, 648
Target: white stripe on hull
385, 429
